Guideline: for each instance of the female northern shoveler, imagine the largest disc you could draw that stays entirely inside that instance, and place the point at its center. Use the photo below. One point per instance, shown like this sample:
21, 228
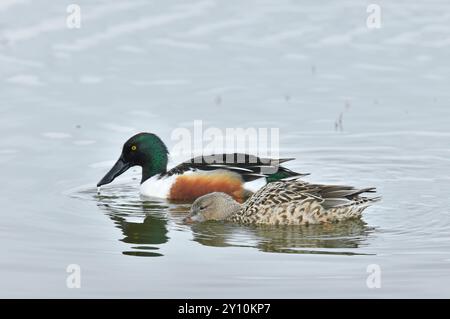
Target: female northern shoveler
234, 174
285, 202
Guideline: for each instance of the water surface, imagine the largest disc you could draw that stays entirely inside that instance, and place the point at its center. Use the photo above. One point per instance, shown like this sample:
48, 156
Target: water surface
70, 97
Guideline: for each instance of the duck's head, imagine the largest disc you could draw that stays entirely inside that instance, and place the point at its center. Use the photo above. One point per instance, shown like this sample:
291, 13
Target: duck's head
212, 206
143, 149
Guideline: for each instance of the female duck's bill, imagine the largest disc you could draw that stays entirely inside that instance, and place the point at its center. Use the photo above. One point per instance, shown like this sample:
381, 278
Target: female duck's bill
212, 206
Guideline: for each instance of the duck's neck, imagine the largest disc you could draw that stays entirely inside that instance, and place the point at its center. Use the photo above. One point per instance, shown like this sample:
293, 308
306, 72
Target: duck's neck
155, 164
149, 171
230, 209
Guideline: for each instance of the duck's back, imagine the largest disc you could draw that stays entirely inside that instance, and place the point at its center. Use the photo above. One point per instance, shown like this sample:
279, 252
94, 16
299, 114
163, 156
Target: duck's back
294, 202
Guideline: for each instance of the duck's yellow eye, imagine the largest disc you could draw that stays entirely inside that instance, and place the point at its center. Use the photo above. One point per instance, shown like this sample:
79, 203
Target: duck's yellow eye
133, 148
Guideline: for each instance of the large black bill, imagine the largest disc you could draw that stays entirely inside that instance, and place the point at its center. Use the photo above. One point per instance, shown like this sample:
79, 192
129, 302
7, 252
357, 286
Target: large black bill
118, 168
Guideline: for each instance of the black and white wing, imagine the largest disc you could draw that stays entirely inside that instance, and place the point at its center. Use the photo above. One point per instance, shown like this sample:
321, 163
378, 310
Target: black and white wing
249, 167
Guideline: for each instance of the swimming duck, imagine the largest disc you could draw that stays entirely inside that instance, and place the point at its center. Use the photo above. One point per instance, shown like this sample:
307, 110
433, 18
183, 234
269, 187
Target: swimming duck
235, 174
285, 202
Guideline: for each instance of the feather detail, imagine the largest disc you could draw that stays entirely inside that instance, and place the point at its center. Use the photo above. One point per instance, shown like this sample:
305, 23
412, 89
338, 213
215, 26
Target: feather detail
293, 201
249, 167
191, 186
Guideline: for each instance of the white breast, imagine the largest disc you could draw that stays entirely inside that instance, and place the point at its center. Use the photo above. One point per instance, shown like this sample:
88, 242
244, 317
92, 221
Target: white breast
158, 187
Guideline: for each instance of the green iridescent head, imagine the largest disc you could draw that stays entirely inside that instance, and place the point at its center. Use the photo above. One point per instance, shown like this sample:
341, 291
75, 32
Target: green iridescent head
143, 149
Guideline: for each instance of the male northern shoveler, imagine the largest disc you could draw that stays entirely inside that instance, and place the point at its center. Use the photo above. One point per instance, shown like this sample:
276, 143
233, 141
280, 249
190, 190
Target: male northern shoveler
285, 202
234, 174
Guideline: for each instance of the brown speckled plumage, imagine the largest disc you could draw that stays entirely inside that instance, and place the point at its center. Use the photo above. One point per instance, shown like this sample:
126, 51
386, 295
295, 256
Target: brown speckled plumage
294, 202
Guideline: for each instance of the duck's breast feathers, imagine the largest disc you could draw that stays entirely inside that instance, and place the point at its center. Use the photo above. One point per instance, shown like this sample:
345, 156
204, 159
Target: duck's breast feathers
158, 186
249, 167
191, 185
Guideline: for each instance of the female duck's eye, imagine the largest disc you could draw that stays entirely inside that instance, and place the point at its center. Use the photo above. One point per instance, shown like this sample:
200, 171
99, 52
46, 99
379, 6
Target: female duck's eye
133, 148
202, 207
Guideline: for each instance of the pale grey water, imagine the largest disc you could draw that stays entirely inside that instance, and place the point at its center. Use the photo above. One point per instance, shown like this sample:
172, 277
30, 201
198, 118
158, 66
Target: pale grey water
70, 98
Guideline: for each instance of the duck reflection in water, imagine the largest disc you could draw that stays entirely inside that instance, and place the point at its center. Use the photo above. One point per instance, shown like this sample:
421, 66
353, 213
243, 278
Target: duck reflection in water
338, 238
142, 223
